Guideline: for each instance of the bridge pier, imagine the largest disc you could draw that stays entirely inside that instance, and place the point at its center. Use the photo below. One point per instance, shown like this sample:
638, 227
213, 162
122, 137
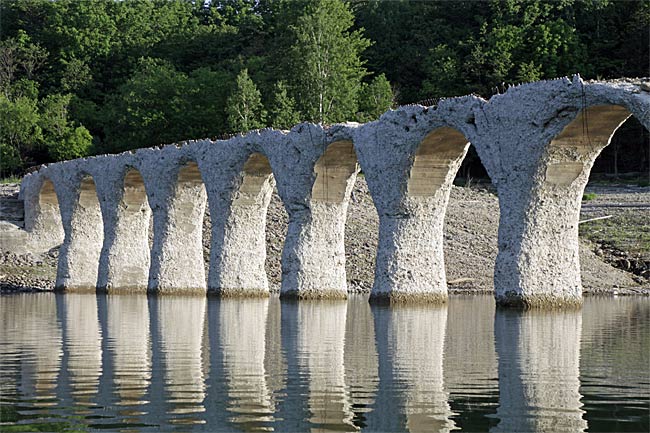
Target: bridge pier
315, 174
178, 206
538, 143
125, 258
82, 222
42, 215
409, 173
239, 197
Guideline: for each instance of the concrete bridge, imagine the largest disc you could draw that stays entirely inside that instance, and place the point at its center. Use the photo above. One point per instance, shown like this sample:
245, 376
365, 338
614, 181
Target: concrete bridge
538, 142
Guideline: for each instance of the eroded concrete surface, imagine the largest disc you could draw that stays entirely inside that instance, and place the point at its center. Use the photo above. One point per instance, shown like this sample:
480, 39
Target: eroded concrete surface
538, 142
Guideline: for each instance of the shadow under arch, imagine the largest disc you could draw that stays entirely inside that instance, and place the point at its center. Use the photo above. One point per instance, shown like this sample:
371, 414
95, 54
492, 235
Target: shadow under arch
177, 261
124, 264
84, 233
238, 253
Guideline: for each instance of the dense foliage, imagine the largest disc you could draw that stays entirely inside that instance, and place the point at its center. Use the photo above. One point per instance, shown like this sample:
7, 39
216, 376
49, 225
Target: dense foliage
87, 77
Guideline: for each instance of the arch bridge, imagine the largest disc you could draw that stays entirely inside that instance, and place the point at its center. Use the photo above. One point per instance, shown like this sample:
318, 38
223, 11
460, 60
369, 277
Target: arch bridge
538, 142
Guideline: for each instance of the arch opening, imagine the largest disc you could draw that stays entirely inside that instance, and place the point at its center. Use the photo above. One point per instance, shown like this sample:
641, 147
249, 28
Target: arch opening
436, 161
614, 208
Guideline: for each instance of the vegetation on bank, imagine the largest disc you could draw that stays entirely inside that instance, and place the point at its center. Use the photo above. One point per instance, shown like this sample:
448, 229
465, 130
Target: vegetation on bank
85, 77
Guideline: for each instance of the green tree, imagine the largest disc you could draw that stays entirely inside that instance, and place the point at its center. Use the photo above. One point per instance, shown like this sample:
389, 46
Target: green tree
326, 63
282, 112
62, 138
148, 109
20, 131
375, 98
244, 107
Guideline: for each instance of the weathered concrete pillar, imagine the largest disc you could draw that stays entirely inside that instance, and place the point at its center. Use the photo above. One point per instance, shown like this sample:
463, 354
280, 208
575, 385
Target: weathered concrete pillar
42, 214
238, 196
124, 262
539, 375
410, 159
538, 143
177, 198
82, 222
321, 245
315, 172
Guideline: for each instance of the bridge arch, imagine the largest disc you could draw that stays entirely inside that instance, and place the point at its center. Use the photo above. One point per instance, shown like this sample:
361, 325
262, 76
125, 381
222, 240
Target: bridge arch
545, 154
83, 225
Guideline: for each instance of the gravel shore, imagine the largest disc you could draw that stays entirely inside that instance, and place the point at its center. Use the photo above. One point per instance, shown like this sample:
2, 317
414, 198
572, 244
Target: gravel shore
470, 248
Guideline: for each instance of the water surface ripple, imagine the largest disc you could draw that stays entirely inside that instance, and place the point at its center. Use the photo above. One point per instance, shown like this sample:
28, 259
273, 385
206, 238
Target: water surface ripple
137, 363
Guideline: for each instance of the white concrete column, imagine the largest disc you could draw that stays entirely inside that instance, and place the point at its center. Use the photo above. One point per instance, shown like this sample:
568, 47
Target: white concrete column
538, 142
177, 201
238, 199
538, 232
539, 359
410, 168
42, 216
315, 172
320, 236
125, 258
82, 222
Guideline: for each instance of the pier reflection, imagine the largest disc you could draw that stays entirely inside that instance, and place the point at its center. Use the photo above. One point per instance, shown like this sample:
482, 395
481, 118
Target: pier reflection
79, 362
242, 327
129, 342
82, 348
181, 325
361, 360
539, 357
320, 350
31, 328
410, 342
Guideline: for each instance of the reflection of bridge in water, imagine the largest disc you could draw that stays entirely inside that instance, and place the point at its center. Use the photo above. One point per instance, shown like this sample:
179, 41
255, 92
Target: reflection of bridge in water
259, 364
538, 142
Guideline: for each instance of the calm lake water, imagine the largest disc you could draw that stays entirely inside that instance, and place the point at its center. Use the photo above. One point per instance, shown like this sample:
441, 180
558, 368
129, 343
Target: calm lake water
133, 363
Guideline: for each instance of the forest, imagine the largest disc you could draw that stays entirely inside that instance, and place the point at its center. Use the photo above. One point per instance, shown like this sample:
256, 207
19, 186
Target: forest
82, 78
